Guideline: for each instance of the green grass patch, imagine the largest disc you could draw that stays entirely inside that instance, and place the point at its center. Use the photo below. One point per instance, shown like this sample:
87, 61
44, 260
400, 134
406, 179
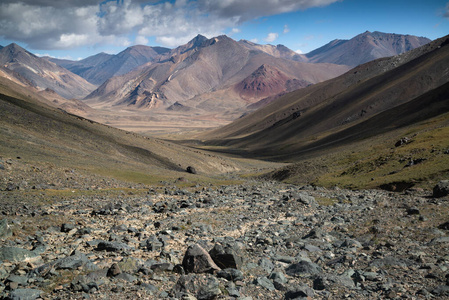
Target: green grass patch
377, 162
323, 201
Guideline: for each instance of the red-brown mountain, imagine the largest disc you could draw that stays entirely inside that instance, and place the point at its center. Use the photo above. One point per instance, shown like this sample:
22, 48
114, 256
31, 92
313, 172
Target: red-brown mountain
364, 48
209, 74
98, 68
267, 81
370, 99
43, 74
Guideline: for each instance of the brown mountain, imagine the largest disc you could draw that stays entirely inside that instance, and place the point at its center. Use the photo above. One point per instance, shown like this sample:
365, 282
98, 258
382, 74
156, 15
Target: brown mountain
43, 74
80, 66
199, 73
98, 68
267, 81
364, 48
373, 98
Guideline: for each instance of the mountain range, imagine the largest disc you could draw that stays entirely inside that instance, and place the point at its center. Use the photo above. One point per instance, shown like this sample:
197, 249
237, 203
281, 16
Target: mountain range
206, 81
371, 99
343, 128
98, 68
364, 48
203, 71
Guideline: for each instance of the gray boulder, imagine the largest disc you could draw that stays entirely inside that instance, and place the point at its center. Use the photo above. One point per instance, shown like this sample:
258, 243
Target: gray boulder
303, 268
197, 260
441, 189
227, 255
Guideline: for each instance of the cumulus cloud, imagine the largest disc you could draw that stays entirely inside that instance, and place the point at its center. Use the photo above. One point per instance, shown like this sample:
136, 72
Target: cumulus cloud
141, 40
49, 24
244, 10
271, 37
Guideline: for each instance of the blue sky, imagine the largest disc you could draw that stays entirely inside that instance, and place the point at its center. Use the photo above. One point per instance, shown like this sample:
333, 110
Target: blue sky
78, 29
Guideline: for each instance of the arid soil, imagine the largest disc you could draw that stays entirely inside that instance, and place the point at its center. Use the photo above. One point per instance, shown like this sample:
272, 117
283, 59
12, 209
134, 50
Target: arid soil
88, 237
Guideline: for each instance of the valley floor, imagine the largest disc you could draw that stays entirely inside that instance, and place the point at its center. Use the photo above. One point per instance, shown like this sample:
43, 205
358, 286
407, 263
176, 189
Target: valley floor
99, 238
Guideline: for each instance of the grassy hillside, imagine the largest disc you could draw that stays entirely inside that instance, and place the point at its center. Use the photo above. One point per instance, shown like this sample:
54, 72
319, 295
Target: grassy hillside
51, 139
377, 162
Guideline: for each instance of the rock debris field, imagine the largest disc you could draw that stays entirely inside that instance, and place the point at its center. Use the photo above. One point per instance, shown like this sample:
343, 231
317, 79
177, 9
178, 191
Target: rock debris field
257, 240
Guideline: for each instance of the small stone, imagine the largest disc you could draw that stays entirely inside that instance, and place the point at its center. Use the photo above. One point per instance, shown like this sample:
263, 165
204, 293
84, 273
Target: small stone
265, 283
299, 292
303, 268
191, 170
112, 246
230, 274
21, 280
28, 294
266, 264
72, 262
202, 286
5, 229
413, 211
67, 227
444, 226
114, 270
14, 254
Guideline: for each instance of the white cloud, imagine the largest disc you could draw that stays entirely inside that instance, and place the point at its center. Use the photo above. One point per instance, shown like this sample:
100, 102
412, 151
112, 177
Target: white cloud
49, 24
299, 51
48, 27
141, 40
245, 10
43, 55
254, 41
271, 37
286, 29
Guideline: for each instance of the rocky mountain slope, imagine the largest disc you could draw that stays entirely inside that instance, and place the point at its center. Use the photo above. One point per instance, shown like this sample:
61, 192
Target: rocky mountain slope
200, 72
346, 101
98, 68
42, 74
393, 96
365, 47
80, 66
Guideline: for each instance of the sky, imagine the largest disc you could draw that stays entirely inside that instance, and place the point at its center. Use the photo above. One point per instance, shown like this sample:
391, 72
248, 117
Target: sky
76, 29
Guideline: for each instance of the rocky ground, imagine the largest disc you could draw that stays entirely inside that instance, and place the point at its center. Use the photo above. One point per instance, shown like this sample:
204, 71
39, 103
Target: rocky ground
256, 240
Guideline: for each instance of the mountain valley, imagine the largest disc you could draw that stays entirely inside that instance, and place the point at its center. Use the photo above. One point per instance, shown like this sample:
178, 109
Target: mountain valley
225, 169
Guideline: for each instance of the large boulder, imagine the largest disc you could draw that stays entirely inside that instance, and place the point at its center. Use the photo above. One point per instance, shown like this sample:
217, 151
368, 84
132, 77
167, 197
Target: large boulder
227, 255
197, 260
441, 189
